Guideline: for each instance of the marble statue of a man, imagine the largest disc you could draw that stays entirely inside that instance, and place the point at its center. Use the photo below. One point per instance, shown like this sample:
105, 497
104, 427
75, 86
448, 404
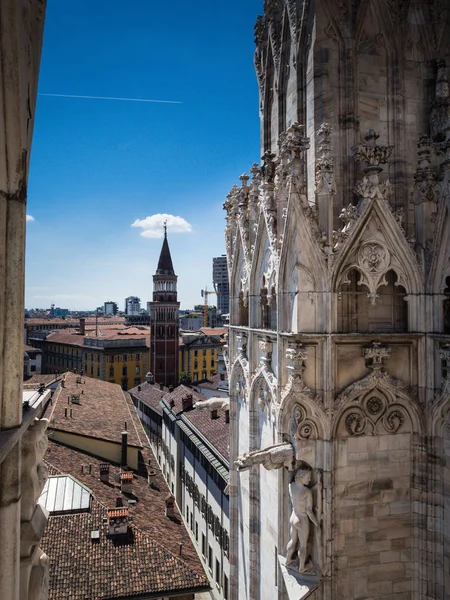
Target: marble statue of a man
302, 513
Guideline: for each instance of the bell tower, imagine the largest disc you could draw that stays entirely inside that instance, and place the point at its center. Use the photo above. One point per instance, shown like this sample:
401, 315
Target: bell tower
164, 320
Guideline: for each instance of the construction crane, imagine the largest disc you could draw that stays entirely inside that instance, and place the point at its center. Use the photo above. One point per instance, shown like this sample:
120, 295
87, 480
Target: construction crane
205, 294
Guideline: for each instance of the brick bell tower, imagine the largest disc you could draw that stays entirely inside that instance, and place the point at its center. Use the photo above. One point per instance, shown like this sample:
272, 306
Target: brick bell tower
164, 320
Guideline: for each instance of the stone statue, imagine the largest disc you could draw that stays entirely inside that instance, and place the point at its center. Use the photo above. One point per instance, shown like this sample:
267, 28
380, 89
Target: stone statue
272, 457
302, 515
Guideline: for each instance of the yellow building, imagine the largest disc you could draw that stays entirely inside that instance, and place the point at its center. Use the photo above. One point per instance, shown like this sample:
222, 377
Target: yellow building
115, 354
199, 352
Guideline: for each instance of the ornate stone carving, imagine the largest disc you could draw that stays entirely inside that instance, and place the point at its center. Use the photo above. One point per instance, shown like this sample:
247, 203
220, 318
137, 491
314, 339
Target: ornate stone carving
266, 347
34, 470
325, 180
305, 511
373, 156
241, 341
373, 261
424, 175
377, 354
444, 354
272, 457
349, 216
297, 354
292, 142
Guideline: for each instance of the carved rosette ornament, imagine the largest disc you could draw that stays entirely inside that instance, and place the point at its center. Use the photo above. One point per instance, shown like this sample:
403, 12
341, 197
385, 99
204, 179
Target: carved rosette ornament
373, 156
325, 180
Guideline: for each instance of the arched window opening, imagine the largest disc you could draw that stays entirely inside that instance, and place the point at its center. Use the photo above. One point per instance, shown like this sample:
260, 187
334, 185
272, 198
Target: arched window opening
446, 308
356, 312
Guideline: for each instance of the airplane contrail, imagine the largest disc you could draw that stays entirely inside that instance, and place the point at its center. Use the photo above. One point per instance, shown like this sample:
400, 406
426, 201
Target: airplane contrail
112, 98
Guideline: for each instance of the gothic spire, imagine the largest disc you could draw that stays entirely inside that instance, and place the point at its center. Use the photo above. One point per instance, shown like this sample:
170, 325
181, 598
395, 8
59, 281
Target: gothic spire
165, 266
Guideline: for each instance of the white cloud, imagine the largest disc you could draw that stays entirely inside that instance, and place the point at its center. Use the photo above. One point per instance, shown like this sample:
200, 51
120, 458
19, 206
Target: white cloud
30, 218
153, 227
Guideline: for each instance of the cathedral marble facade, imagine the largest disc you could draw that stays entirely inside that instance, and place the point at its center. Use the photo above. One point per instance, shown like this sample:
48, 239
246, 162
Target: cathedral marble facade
339, 349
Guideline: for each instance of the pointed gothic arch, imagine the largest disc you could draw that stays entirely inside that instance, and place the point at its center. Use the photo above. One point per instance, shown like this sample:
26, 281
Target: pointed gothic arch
377, 404
376, 247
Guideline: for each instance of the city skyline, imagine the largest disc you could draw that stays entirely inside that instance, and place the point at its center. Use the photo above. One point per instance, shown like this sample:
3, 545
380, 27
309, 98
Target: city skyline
107, 172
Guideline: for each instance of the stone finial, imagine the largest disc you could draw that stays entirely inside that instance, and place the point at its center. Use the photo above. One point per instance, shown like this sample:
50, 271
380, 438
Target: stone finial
424, 175
325, 181
292, 142
372, 154
377, 354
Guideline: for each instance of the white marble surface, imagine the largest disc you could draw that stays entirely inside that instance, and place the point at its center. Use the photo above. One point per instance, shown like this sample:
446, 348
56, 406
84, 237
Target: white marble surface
298, 586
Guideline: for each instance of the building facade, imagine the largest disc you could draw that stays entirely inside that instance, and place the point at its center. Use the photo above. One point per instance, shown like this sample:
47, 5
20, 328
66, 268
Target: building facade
110, 308
164, 320
337, 253
132, 306
199, 352
191, 445
221, 283
119, 355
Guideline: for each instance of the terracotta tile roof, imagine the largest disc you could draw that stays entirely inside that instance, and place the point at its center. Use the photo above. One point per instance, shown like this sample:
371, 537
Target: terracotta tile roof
117, 512
35, 380
73, 337
216, 331
212, 383
27, 348
216, 431
150, 394
130, 565
73, 322
162, 535
102, 413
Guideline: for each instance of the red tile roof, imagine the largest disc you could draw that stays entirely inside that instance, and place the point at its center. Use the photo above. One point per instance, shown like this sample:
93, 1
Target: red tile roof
130, 565
155, 548
216, 431
102, 413
150, 394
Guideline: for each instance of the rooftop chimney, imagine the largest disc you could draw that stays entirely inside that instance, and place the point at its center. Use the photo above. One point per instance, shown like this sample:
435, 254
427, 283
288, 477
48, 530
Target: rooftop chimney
149, 378
123, 461
104, 472
126, 482
172, 403
170, 506
214, 414
187, 401
82, 326
170, 388
227, 416
139, 388
151, 477
161, 386
118, 521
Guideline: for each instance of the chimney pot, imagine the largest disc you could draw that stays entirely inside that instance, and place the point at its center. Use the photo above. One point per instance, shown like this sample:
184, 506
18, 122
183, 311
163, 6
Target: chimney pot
214, 414
172, 403
227, 416
119, 501
82, 326
161, 386
170, 506
170, 388
124, 457
139, 388
151, 476
104, 472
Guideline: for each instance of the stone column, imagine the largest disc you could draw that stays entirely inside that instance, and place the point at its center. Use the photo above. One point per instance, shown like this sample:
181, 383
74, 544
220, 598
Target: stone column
21, 29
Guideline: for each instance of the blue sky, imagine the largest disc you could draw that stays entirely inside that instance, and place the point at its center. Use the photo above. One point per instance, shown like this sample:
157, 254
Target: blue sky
100, 166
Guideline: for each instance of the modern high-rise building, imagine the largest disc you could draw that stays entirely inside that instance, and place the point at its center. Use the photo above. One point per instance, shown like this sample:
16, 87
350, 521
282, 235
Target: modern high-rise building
221, 283
111, 308
132, 306
339, 338
164, 320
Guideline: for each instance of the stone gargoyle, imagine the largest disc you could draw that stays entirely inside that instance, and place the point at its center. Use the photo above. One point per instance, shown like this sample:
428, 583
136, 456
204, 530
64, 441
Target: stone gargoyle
272, 457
